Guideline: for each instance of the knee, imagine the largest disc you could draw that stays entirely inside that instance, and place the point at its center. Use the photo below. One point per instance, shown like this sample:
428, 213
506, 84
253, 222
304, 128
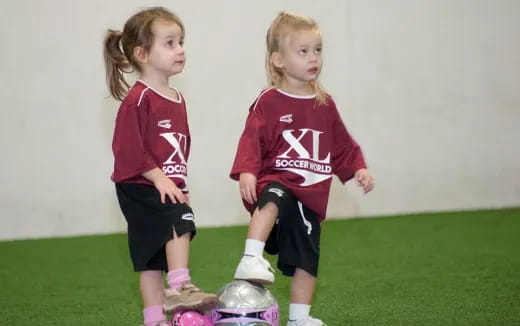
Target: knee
270, 209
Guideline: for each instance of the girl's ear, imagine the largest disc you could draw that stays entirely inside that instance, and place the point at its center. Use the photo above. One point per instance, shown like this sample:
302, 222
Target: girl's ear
277, 60
140, 55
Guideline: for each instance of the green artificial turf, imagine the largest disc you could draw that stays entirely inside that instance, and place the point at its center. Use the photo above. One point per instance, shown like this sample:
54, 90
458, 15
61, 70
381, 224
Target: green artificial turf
460, 268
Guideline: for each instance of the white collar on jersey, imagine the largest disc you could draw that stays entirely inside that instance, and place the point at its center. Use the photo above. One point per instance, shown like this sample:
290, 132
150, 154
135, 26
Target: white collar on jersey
296, 96
164, 96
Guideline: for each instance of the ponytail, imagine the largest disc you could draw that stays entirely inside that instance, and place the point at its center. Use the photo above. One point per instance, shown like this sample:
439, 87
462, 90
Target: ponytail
116, 64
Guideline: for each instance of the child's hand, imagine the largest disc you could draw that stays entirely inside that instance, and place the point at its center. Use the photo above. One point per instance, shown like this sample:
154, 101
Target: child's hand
248, 187
165, 186
364, 179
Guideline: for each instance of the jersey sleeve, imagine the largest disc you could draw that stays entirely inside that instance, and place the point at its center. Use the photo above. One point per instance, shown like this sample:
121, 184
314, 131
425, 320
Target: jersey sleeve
347, 156
131, 158
248, 157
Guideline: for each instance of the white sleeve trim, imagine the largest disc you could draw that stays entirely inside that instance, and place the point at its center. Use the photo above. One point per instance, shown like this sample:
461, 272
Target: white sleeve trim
142, 94
259, 96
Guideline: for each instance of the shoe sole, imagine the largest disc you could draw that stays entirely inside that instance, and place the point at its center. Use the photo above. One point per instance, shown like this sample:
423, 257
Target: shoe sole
255, 280
201, 305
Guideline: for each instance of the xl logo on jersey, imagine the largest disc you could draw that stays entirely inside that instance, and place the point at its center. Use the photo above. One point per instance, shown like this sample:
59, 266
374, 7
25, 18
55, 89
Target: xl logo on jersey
175, 165
307, 162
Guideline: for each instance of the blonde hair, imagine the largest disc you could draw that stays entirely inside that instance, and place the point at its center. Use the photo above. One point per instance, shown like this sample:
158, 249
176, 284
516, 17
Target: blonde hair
277, 35
119, 46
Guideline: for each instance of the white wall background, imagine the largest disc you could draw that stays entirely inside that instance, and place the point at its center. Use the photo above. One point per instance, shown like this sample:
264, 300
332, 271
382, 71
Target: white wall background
430, 89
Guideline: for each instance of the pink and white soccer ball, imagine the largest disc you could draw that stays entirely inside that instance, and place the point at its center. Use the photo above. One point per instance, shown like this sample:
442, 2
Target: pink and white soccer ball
191, 318
242, 303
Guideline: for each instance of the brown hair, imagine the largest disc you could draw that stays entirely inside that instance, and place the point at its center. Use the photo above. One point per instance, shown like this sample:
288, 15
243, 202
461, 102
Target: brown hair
119, 46
277, 34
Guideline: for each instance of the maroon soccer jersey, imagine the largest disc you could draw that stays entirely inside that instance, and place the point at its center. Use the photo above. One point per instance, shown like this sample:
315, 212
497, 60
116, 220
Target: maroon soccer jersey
293, 140
151, 131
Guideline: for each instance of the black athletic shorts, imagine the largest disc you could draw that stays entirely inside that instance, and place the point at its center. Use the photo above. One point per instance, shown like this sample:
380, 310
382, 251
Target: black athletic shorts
296, 235
151, 224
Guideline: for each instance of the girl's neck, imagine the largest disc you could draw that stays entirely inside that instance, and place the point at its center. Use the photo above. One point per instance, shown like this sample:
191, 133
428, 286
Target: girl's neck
156, 81
296, 87
159, 83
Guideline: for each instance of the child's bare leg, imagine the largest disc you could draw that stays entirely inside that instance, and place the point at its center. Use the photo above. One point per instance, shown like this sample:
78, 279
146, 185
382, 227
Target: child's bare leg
152, 287
262, 222
302, 287
302, 292
178, 251
182, 294
253, 266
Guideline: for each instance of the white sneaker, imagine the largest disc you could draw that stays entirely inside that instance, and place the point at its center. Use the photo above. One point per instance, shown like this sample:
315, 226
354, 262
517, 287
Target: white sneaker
255, 269
307, 321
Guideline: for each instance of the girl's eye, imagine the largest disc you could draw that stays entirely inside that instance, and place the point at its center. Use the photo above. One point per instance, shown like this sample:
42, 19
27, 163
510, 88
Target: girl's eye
170, 43
317, 51
181, 42
303, 51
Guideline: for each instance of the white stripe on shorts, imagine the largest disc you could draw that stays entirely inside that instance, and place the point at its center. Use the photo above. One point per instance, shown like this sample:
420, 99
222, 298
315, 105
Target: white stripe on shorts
305, 221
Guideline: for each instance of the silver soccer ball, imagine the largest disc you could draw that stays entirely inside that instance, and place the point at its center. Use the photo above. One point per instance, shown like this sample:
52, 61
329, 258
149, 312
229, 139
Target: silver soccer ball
241, 303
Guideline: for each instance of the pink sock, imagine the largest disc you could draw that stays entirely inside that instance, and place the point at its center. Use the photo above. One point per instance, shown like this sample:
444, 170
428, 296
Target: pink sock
178, 277
153, 315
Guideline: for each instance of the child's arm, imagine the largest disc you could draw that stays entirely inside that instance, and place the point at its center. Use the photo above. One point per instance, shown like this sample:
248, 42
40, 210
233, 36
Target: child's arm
248, 159
347, 158
165, 186
130, 155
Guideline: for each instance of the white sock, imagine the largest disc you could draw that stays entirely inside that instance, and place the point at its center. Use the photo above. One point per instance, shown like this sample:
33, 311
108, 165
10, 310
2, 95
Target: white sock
254, 247
299, 311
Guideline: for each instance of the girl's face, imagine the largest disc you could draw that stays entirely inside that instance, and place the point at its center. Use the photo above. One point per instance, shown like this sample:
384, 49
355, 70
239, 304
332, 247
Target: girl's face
167, 53
300, 57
